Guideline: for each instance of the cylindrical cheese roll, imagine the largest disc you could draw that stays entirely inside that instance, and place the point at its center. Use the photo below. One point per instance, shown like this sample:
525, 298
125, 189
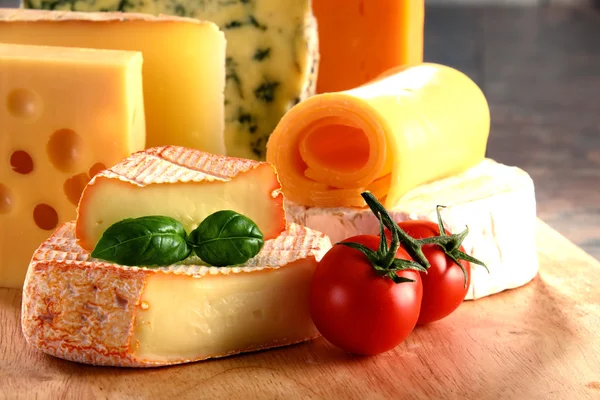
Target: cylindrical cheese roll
406, 128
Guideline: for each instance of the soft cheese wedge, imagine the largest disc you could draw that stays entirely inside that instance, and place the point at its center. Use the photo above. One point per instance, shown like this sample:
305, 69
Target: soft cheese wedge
85, 310
495, 201
185, 184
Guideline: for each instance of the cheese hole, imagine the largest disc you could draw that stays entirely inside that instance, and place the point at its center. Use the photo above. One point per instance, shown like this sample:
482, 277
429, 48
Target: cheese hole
6, 199
121, 301
45, 217
64, 149
21, 162
338, 147
24, 103
96, 168
73, 187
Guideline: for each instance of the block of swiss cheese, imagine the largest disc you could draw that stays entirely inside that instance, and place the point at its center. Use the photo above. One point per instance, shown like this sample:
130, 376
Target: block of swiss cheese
495, 201
56, 132
89, 311
182, 183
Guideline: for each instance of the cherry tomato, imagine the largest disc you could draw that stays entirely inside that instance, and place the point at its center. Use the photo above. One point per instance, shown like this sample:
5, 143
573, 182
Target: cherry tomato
444, 283
358, 310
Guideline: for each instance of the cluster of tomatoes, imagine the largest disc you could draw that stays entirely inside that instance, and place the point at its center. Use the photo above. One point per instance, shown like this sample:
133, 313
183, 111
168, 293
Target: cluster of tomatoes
369, 292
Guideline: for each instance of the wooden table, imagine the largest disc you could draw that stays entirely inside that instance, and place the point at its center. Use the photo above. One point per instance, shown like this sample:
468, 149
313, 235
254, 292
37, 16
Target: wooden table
540, 341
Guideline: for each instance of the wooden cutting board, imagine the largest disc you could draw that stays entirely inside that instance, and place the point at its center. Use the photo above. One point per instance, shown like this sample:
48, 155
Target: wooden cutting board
541, 341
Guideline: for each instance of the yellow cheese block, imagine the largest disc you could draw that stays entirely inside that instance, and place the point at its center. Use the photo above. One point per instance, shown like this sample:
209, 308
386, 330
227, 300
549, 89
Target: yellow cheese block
65, 114
184, 65
407, 128
184, 184
81, 309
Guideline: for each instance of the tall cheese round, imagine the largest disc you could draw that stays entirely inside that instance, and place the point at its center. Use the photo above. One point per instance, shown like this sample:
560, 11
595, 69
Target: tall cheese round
409, 127
358, 39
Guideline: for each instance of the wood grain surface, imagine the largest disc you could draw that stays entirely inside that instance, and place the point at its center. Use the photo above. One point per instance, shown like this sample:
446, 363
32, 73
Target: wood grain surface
540, 341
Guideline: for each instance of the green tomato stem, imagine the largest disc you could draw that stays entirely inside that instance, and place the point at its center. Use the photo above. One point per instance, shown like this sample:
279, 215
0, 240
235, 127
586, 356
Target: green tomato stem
384, 260
412, 246
450, 244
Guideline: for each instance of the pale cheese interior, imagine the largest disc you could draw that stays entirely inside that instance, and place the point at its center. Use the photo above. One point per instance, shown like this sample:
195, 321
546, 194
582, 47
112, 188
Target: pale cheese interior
111, 200
181, 317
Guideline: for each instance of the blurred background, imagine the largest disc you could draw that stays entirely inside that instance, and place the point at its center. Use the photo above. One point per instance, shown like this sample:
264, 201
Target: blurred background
538, 62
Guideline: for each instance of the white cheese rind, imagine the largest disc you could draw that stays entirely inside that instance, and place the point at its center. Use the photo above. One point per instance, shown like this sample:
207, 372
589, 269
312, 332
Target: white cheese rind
495, 201
85, 310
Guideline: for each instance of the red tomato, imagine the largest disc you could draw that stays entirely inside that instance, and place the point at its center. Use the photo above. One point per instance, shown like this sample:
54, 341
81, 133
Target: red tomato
358, 310
444, 283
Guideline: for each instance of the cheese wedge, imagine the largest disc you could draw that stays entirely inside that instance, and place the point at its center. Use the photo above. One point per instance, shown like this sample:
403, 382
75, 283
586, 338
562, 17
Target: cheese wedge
421, 124
81, 309
495, 201
183, 71
185, 184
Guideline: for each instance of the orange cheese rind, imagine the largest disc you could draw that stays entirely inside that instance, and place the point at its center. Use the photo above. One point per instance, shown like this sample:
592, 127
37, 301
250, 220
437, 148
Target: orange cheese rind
406, 128
82, 309
175, 164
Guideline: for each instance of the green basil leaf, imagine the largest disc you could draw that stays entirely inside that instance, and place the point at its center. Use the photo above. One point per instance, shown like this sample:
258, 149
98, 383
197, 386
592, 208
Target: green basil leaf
145, 241
226, 238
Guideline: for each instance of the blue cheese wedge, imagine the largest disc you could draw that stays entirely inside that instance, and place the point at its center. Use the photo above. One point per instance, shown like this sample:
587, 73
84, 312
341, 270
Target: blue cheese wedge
271, 61
495, 201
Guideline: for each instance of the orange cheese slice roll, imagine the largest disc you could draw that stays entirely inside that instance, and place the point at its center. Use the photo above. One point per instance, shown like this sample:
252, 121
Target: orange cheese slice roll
410, 126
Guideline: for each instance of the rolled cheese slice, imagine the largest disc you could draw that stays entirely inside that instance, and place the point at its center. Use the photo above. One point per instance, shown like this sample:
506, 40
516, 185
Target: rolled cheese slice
184, 184
85, 310
404, 129
495, 201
